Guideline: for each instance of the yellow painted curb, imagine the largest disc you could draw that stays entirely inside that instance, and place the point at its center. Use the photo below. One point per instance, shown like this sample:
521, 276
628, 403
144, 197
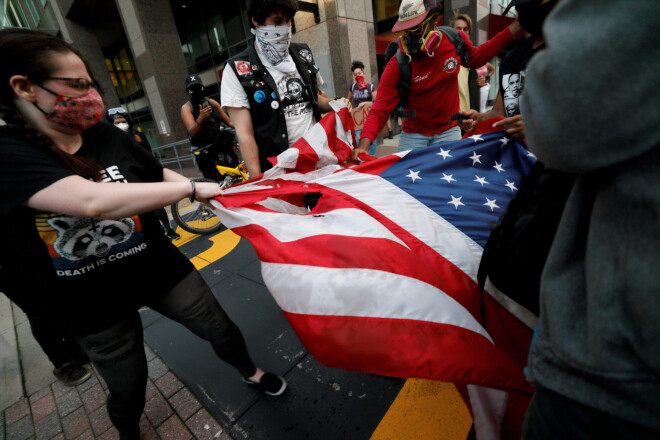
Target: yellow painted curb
425, 410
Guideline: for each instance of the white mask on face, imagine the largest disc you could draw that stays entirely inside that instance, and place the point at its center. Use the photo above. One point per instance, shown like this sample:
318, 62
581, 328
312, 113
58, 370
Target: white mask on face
123, 126
273, 43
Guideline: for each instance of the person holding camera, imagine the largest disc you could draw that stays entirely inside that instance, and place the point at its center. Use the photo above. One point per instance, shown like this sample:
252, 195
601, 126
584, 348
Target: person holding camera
204, 119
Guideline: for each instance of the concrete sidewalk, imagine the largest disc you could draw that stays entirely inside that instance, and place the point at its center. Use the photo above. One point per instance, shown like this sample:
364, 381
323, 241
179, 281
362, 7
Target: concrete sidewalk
34, 405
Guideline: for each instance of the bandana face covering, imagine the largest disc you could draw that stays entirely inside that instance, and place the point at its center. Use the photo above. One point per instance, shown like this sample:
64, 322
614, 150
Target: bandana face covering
361, 83
76, 112
273, 43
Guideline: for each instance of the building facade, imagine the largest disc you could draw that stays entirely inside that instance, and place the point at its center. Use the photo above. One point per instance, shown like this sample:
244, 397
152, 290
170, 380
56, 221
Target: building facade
141, 50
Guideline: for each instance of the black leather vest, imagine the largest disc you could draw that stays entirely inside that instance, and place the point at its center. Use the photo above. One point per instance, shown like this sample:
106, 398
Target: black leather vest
266, 107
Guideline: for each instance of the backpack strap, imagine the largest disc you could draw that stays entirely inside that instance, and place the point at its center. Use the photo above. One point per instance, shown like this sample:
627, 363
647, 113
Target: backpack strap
455, 37
404, 85
406, 72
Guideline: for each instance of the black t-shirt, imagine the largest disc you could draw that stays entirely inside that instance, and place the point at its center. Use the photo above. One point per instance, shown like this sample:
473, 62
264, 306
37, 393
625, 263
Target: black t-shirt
84, 272
512, 74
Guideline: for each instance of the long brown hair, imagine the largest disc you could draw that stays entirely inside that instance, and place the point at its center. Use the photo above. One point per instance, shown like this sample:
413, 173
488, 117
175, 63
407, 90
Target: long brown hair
30, 53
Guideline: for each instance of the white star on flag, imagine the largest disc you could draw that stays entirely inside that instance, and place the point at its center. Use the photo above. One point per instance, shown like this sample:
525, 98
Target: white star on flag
475, 158
414, 175
444, 153
481, 180
530, 154
491, 204
511, 185
448, 178
476, 137
498, 167
456, 202
346, 237
504, 140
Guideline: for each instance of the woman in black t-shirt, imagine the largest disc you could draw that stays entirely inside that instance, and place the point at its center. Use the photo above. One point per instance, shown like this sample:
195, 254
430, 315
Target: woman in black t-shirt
84, 248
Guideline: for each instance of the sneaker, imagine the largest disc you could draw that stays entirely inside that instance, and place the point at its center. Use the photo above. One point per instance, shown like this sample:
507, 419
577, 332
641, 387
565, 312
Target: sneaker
173, 235
270, 383
389, 136
71, 374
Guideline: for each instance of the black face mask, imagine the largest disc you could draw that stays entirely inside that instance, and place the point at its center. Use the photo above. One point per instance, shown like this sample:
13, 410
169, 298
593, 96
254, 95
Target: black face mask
531, 18
197, 94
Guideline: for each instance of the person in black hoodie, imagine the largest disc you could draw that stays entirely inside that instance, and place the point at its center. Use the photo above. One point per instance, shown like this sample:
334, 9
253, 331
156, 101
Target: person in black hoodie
121, 119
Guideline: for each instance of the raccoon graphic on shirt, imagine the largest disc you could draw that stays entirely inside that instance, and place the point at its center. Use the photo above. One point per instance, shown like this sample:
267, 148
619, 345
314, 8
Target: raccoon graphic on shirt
79, 245
80, 237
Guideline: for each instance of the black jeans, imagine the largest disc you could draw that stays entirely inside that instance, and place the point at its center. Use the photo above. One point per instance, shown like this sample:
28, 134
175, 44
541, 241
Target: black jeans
551, 416
59, 344
118, 352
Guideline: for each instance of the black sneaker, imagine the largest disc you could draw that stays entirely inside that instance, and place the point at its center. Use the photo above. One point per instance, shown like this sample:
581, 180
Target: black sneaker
173, 235
270, 383
71, 374
389, 135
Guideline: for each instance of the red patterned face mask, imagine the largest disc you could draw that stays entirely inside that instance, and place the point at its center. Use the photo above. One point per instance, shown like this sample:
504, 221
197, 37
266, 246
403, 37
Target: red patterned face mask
76, 112
361, 83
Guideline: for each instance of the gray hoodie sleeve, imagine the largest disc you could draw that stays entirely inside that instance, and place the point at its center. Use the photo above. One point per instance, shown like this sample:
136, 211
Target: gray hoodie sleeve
592, 98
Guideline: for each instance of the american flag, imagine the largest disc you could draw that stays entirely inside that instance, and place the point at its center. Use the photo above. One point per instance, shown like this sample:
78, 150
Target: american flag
380, 275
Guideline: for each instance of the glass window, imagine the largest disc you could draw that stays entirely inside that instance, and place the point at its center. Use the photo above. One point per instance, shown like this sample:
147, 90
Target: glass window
385, 8
498, 6
48, 21
12, 15
36, 17
210, 33
386, 12
216, 34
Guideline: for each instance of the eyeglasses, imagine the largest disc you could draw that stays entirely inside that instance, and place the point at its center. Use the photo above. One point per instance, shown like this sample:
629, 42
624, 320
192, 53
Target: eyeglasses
116, 110
417, 29
81, 83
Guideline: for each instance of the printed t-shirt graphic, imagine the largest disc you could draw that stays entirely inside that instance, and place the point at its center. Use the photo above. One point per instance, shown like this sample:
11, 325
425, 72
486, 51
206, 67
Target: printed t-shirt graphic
78, 245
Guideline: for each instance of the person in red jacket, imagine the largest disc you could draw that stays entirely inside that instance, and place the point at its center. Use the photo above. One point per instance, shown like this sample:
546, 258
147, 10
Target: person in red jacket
433, 91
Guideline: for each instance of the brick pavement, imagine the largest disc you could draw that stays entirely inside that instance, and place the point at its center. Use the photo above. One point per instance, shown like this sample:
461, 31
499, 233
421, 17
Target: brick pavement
59, 412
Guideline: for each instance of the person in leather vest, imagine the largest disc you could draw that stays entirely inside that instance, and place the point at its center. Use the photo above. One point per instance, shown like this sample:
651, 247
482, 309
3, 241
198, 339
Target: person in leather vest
271, 89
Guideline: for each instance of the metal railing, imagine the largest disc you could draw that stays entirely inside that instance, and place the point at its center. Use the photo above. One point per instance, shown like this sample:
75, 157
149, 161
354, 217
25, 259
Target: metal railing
177, 156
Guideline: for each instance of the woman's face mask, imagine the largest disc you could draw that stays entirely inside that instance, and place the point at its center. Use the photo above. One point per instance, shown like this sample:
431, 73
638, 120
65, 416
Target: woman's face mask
123, 126
76, 112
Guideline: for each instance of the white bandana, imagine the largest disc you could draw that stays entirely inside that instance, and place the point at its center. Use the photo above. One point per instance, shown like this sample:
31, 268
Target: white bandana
273, 43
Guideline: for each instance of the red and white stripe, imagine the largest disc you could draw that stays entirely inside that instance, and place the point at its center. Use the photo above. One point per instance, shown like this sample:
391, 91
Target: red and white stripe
364, 293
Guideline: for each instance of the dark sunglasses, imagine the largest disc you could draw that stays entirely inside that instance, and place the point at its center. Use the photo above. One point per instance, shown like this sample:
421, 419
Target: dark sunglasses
81, 83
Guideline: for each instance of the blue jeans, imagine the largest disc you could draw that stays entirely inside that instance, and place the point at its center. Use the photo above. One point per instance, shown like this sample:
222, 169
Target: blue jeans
372, 148
118, 352
412, 141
